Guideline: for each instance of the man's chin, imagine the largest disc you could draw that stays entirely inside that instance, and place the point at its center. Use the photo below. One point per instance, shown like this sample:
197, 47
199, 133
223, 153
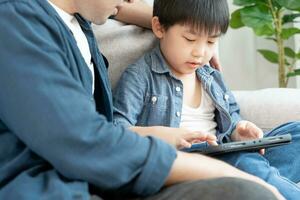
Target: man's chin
99, 21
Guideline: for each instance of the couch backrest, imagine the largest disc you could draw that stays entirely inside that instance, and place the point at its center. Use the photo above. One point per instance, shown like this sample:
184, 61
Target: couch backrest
122, 45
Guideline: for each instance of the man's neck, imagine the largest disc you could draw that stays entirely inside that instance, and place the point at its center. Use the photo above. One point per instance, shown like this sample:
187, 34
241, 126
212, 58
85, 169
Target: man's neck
67, 6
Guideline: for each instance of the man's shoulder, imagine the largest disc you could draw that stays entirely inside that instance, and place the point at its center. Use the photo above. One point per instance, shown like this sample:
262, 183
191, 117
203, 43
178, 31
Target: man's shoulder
27, 8
20, 3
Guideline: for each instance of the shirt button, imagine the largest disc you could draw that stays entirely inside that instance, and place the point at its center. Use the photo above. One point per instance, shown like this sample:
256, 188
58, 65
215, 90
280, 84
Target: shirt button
154, 99
178, 114
226, 97
178, 89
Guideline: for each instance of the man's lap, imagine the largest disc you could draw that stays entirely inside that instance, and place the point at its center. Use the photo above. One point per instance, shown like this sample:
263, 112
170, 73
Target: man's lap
221, 188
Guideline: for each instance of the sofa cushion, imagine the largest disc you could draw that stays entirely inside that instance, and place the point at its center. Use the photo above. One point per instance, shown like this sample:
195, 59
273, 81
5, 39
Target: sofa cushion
270, 107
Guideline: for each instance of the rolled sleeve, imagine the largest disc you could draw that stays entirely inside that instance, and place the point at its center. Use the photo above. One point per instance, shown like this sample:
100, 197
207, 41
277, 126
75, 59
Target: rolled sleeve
158, 165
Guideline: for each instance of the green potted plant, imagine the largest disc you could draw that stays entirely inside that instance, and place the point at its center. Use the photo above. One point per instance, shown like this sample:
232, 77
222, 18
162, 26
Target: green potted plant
274, 20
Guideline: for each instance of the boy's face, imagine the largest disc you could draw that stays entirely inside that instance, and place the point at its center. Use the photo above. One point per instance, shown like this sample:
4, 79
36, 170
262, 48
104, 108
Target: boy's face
97, 11
184, 49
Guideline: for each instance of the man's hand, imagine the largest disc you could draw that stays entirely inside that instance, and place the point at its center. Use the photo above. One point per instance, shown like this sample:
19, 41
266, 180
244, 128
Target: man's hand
246, 130
135, 12
215, 62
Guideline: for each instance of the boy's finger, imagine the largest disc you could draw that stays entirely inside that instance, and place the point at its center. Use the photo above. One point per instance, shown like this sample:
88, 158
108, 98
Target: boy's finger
184, 144
198, 135
211, 137
212, 142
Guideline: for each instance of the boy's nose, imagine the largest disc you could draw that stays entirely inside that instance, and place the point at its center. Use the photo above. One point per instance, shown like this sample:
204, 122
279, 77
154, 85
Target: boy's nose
198, 51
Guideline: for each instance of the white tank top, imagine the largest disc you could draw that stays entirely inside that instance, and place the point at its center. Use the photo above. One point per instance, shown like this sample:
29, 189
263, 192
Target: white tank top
201, 118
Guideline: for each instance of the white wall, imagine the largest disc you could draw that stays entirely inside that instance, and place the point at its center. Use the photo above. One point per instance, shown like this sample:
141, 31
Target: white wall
244, 68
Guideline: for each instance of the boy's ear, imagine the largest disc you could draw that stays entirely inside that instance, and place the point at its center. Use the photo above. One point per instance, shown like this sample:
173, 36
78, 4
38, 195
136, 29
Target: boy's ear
157, 28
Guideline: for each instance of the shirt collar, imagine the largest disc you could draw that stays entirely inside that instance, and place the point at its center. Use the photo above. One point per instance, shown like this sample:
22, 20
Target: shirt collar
66, 17
69, 19
158, 62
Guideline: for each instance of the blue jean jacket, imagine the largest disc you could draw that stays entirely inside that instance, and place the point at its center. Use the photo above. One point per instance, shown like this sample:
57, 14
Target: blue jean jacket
148, 94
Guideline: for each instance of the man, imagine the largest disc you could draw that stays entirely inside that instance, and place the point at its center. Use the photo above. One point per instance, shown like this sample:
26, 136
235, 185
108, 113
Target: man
57, 139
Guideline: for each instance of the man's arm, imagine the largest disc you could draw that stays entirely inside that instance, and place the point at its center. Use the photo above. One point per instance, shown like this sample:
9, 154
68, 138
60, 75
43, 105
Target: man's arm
44, 103
138, 13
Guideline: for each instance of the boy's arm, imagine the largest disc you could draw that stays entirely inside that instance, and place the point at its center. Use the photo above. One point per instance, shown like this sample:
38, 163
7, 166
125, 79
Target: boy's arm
178, 137
241, 129
234, 109
138, 13
128, 96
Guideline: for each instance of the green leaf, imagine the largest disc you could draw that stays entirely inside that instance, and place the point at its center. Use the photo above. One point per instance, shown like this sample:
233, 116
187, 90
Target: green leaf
265, 30
289, 32
271, 38
269, 55
244, 2
298, 55
289, 52
290, 18
296, 72
289, 4
236, 21
254, 16
259, 18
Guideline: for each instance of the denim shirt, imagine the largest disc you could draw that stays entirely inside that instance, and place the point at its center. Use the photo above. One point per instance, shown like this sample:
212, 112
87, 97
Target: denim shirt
57, 140
148, 94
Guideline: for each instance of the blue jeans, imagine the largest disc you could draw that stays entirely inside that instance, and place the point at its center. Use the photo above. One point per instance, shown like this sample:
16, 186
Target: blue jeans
280, 166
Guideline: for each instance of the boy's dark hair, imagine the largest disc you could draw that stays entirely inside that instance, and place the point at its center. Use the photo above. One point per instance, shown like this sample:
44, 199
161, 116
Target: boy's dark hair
205, 16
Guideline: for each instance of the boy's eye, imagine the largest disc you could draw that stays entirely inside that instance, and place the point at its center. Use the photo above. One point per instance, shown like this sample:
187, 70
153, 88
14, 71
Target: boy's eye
189, 39
211, 42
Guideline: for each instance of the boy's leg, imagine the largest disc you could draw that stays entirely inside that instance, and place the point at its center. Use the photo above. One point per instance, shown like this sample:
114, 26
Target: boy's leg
222, 188
286, 158
280, 166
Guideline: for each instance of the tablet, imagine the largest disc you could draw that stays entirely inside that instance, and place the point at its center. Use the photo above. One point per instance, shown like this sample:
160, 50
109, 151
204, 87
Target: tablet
249, 145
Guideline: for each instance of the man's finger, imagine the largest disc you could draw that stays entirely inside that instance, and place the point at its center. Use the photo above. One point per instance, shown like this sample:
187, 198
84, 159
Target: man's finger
214, 62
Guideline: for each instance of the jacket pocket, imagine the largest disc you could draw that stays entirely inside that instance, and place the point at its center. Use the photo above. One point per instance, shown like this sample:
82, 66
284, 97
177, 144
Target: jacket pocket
155, 110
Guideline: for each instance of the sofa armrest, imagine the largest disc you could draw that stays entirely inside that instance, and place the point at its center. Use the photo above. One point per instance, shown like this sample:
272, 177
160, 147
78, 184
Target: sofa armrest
270, 107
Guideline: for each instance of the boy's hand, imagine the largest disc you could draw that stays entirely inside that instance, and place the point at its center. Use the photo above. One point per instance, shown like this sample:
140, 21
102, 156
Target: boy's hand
185, 138
246, 130
178, 137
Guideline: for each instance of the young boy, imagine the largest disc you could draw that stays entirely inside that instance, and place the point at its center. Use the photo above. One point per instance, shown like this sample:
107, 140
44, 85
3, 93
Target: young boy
172, 85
